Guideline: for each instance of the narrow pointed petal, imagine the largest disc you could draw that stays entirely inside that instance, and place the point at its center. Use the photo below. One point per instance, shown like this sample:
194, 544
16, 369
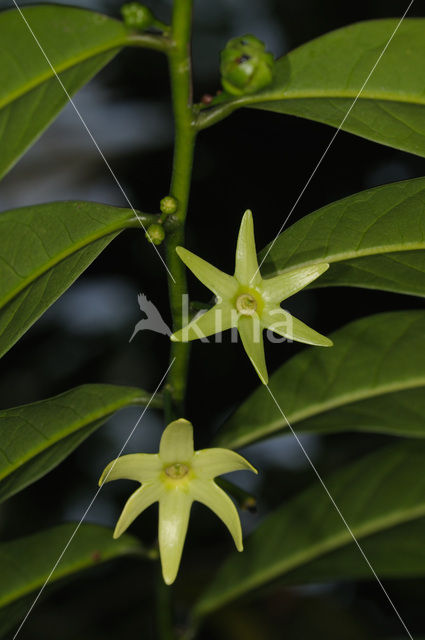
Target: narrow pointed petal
209, 463
137, 502
246, 263
220, 283
285, 285
251, 334
141, 467
177, 442
221, 317
219, 502
286, 325
174, 511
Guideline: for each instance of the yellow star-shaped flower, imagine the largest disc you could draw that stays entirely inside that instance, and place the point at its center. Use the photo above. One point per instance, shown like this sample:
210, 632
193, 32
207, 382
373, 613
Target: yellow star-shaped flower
249, 302
176, 477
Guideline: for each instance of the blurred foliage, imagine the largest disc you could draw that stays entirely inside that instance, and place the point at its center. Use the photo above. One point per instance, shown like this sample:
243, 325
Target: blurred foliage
246, 156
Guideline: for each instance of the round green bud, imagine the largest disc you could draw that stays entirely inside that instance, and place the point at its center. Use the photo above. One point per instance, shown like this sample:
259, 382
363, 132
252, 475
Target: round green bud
168, 205
155, 233
245, 65
137, 16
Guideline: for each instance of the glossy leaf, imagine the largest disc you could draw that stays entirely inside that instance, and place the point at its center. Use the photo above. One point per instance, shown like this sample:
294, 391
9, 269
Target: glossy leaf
372, 379
36, 437
382, 498
43, 249
26, 563
321, 79
77, 42
373, 239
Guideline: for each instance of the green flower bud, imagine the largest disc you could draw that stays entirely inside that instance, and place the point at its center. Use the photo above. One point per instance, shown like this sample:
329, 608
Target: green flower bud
155, 233
137, 16
168, 205
245, 66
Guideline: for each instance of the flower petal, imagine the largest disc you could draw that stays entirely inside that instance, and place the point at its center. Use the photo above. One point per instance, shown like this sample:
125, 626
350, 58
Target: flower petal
219, 502
177, 442
220, 283
246, 263
221, 317
135, 466
174, 511
209, 463
251, 333
286, 284
137, 502
285, 324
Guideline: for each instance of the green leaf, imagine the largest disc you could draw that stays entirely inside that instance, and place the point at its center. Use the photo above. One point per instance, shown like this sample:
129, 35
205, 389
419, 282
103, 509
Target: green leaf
77, 42
43, 249
372, 379
25, 564
36, 437
373, 239
321, 79
382, 498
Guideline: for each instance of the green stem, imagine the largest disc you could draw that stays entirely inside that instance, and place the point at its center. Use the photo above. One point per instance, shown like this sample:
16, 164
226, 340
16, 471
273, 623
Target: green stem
207, 117
164, 619
181, 88
149, 41
144, 219
213, 115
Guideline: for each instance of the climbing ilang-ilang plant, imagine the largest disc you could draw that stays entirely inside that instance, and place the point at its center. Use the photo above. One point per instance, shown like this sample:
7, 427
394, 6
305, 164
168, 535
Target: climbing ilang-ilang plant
371, 379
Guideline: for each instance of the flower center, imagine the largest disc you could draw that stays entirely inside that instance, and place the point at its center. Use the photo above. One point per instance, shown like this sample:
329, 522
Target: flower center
177, 470
246, 304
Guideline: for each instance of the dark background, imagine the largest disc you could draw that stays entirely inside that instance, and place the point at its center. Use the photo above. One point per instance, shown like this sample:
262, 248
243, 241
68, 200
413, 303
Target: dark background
254, 160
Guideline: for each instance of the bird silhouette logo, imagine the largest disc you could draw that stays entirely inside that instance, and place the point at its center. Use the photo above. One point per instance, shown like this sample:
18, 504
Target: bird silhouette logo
153, 320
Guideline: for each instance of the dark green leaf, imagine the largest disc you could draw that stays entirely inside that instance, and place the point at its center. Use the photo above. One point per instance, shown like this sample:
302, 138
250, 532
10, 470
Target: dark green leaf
372, 379
35, 438
43, 249
321, 79
26, 563
77, 42
397, 552
382, 498
373, 239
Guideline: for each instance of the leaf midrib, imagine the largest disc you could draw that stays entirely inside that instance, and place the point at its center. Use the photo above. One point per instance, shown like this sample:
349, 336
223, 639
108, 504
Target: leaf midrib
323, 407
60, 68
288, 94
333, 543
256, 102
90, 418
62, 572
59, 257
352, 255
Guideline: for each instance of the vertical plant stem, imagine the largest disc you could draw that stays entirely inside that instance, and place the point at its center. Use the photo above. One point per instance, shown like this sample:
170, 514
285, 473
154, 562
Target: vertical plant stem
181, 87
164, 619
179, 57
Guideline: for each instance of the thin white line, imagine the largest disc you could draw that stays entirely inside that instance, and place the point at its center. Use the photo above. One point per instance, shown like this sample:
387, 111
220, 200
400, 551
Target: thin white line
319, 477
90, 134
332, 139
91, 503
